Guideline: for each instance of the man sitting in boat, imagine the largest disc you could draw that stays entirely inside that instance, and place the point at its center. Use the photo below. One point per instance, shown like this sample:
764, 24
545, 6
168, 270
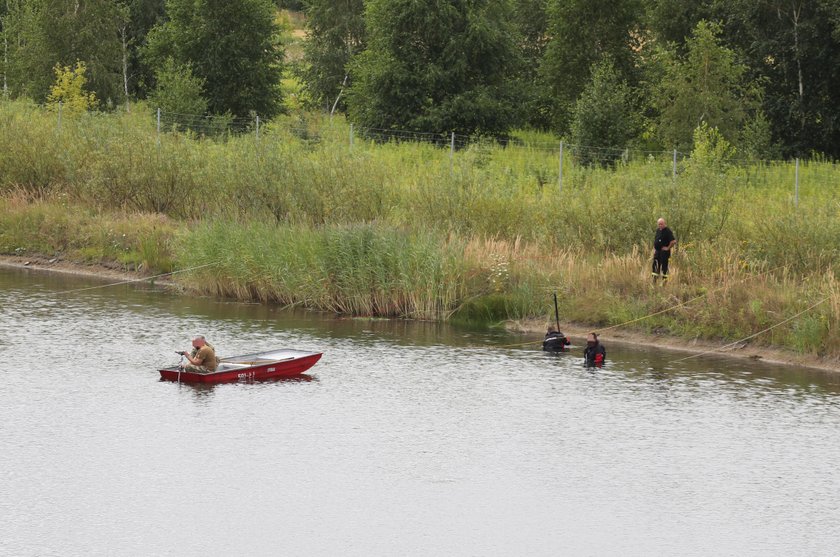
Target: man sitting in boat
555, 341
202, 358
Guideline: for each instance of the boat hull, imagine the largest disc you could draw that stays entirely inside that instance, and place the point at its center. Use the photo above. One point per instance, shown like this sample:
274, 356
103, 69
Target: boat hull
249, 367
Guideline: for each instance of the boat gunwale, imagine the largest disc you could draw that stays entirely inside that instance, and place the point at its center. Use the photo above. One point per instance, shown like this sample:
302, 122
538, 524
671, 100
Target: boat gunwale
301, 355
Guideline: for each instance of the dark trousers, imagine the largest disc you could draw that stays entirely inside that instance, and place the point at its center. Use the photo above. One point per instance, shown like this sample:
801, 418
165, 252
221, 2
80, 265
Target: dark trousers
660, 263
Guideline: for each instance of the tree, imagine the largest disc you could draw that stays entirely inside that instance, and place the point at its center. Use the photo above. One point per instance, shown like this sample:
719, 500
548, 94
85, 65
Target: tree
436, 66
42, 33
604, 116
707, 85
142, 16
672, 21
335, 33
4, 14
233, 45
582, 33
69, 90
291, 4
794, 46
755, 140
529, 17
178, 90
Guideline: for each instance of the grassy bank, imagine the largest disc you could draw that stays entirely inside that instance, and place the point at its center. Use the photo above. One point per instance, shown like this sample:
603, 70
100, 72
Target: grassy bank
297, 216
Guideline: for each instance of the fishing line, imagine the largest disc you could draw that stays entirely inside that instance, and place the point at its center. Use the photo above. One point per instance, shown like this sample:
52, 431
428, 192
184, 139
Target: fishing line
140, 279
730, 345
703, 295
670, 308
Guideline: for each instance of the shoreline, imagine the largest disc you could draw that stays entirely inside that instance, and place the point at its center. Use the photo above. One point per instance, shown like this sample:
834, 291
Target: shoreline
532, 326
743, 351
58, 265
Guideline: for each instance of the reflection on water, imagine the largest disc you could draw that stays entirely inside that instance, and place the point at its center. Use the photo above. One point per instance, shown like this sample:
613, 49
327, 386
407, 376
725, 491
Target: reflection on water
200, 390
406, 438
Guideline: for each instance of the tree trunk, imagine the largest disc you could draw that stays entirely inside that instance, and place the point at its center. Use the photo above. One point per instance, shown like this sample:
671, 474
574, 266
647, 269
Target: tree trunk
123, 36
5, 55
796, 11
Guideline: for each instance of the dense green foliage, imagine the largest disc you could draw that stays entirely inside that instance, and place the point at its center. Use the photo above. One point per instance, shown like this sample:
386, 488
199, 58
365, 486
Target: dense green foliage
604, 116
531, 21
705, 86
40, 34
232, 45
336, 31
178, 90
795, 47
582, 33
764, 73
299, 217
435, 67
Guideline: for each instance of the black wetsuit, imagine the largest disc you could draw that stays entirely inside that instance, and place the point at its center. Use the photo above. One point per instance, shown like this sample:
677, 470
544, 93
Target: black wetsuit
555, 342
663, 238
594, 356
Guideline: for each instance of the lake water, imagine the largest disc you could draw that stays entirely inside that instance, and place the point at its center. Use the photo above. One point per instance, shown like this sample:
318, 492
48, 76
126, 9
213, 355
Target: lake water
405, 439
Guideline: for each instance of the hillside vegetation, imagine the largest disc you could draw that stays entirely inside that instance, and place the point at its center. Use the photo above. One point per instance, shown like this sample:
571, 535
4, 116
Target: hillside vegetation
298, 215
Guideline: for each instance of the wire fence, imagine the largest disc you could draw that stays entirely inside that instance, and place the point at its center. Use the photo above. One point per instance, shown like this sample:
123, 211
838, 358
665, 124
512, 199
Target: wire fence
566, 153
568, 156
227, 126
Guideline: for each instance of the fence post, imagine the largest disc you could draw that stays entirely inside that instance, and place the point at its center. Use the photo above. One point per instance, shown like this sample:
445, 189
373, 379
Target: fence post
560, 174
796, 187
258, 129
158, 127
674, 171
452, 154
351, 137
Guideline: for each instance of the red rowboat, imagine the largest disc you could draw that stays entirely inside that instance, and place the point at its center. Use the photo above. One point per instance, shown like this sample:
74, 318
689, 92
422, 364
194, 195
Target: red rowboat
261, 365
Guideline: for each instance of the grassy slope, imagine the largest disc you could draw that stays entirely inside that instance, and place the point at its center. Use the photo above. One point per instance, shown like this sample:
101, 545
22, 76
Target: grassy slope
398, 229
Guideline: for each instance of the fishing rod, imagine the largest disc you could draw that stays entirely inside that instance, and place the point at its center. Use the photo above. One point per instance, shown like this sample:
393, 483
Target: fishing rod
180, 363
138, 279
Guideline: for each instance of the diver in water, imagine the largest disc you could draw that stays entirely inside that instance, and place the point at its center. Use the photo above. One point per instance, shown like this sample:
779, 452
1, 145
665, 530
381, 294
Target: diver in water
555, 341
594, 354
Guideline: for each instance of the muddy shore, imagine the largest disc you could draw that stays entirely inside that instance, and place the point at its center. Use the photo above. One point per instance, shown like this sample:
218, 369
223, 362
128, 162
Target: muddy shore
537, 327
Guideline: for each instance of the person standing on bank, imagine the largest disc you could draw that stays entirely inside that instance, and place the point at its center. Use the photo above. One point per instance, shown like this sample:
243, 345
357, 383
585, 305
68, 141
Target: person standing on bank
202, 358
594, 354
663, 242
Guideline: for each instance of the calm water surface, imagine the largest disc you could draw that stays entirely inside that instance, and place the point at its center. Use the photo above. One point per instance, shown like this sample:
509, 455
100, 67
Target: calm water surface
405, 439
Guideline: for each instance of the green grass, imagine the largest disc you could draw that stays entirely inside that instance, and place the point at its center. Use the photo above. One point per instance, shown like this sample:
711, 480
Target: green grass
400, 229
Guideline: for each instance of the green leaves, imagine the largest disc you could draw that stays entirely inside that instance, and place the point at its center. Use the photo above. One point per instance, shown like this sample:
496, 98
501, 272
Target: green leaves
583, 33
336, 32
178, 90
436, 66
232, 45
43, 33
707, 85
604, 116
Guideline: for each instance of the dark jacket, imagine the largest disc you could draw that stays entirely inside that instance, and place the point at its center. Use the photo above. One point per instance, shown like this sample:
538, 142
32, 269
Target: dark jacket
555, 342
663, 238
594, 356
